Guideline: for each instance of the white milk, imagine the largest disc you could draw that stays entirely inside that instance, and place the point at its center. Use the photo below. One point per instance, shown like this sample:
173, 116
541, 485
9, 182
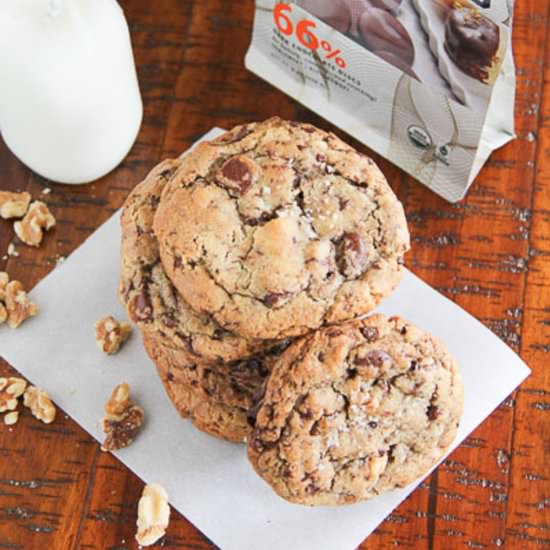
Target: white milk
70, 106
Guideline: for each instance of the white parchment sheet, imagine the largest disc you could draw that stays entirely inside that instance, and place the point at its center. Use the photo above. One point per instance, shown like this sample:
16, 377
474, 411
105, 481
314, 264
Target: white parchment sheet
210, 481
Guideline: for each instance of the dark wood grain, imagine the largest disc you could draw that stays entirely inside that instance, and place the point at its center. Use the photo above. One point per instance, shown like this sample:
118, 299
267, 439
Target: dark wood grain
490, 253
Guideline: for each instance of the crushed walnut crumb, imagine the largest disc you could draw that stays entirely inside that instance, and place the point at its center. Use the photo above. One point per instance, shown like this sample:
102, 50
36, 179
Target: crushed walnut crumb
37, 220
4, 280
11, 251
110, 334
11, 389
14, 205
11, 418
153, 514
40, 404
122, 419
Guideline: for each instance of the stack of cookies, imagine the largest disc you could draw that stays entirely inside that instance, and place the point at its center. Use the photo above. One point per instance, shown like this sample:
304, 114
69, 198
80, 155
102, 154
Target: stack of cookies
249, 265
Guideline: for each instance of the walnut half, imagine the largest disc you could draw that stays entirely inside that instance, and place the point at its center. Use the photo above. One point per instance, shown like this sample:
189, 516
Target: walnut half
122, 419
153, 514
37, 220
13, 205
40, 404
110, 334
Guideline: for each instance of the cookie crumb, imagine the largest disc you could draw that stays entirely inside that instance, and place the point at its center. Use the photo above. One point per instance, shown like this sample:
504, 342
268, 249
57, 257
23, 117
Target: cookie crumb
11, 418
122, 419
153, 514
40, 404
37, 220
110, 334
46, 191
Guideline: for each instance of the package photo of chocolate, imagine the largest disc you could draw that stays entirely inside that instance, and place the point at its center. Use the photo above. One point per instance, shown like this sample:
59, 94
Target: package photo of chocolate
428, 84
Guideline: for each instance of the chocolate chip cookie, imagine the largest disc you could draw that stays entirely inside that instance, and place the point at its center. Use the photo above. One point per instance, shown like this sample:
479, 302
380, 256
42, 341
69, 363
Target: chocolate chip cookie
352, 411
277, 228
150, 298
216, 397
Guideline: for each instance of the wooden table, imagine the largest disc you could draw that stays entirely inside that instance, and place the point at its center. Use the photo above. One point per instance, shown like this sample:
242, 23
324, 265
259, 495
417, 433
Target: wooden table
490, 253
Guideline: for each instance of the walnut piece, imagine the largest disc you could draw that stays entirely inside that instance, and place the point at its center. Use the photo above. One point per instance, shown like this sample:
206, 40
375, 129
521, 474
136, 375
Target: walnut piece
40, 404
17, 304
14, 205
10, 390
110, 334
118, 402
4, 280
153, 514
11, 418
122, 419
14, 303
37, 220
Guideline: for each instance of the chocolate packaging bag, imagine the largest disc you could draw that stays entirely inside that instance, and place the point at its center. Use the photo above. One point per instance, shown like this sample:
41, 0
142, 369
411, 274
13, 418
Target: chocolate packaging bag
428, 84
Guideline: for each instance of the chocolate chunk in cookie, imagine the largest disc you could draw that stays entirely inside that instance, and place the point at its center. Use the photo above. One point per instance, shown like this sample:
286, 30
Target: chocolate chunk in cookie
238, 174
351, 255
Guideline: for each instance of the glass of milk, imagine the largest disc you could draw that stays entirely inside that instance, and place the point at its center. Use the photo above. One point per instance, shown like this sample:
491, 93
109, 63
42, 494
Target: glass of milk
70, 107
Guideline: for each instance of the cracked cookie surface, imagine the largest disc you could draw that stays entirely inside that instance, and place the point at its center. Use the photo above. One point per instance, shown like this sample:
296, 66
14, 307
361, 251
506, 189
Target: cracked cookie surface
150, 298
355, 410
277, 228
216, 397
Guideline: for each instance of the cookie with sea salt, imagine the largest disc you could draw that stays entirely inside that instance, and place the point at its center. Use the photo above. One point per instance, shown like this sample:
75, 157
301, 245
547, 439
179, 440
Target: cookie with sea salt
277, 228
355, 410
